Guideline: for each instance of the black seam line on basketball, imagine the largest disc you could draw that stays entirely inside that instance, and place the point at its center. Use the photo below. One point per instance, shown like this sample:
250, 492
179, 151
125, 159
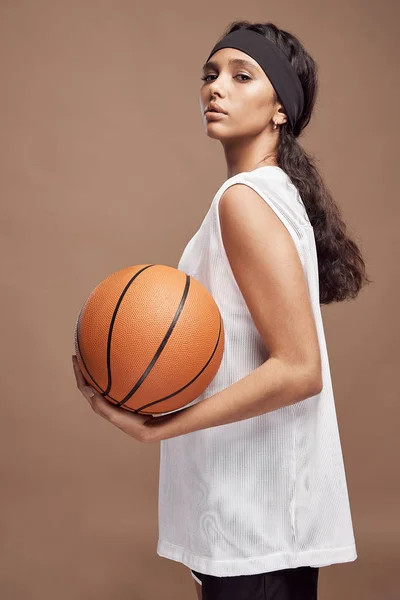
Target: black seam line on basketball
110, 331
185, 386
162, 345
190, 382
101, 392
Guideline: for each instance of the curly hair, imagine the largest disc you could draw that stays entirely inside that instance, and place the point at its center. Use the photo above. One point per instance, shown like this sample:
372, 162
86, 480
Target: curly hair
341, 266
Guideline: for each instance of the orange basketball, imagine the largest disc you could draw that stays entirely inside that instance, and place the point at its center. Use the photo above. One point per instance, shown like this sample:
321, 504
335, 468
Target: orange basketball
149, 338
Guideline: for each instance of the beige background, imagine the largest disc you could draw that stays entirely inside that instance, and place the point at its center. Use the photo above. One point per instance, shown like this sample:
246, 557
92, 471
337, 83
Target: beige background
99, 170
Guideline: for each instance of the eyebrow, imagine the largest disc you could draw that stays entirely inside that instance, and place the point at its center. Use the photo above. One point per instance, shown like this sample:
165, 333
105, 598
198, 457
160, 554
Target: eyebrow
237, 61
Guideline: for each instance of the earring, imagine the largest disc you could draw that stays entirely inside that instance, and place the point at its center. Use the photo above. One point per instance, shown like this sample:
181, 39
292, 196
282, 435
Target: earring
275, 125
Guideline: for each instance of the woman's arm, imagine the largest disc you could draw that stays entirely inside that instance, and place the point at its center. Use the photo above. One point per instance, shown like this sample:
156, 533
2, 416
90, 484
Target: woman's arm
272, 385
269, 273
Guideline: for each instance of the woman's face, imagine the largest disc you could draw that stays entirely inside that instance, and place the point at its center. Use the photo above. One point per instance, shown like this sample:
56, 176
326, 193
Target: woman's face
238, 84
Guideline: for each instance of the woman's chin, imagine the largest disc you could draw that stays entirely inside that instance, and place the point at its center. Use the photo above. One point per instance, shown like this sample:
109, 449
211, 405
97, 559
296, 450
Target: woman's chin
213, 131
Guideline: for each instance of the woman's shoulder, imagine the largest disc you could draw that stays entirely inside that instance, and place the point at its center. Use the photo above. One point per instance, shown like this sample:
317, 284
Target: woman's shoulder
274, 185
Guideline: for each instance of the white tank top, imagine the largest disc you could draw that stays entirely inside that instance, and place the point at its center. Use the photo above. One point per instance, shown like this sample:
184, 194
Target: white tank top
268, 492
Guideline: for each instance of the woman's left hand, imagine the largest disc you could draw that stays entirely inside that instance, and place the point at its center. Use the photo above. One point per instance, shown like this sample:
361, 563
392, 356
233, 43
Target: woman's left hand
140, 427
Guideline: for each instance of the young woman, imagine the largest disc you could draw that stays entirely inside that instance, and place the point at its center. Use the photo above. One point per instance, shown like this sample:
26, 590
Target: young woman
253, 498
252, 493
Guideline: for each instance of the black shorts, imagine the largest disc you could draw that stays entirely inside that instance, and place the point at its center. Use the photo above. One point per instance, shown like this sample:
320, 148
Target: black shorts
300, 583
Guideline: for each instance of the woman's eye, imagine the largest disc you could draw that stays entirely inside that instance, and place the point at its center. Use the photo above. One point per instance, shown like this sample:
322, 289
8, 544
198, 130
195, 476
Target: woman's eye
205, 77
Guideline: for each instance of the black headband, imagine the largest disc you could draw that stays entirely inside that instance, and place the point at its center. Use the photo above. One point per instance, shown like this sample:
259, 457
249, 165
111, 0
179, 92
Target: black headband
275, 65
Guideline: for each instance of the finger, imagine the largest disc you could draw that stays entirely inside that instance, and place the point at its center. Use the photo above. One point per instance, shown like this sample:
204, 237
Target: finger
103, 408
100, 405
86, 389
77, 371
89, 391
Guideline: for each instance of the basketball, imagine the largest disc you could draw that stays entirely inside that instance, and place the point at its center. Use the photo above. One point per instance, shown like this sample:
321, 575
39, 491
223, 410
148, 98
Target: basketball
149, 338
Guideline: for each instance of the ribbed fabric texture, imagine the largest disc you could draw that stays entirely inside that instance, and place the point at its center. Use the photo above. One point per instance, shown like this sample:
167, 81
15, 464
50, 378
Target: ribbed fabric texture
269, 492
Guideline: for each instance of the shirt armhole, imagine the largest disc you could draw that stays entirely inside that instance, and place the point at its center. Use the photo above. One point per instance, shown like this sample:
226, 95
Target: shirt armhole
294, 229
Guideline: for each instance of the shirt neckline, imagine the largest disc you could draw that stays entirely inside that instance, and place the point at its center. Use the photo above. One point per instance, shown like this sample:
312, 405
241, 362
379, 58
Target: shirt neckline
279, 170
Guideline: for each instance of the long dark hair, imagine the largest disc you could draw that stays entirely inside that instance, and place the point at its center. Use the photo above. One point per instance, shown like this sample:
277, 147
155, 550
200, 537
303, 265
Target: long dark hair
341, 267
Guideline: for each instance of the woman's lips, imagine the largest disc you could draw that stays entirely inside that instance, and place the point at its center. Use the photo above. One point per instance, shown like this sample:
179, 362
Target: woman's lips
213, 115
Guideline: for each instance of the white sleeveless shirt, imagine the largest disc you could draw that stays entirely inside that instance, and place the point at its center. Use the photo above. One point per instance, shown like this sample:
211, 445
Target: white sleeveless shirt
268, 492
